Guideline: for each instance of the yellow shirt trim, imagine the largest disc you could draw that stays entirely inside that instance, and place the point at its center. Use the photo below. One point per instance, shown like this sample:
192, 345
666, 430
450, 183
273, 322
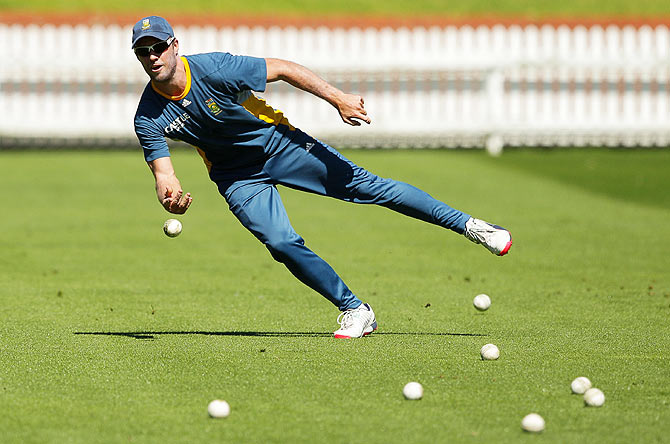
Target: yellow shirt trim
260, 109
188, 84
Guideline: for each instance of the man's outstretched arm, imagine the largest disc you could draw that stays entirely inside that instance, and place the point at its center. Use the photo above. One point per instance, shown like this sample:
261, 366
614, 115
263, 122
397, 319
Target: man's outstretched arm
168, 188
350, 106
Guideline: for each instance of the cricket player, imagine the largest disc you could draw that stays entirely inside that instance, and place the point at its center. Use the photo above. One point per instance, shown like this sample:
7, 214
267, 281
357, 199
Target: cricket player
208, 101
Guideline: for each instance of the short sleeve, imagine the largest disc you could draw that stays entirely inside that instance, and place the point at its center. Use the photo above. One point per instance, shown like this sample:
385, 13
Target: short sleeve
241, 73
151, 139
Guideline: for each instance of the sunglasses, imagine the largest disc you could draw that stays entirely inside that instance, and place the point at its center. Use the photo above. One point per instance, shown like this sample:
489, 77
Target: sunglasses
157, 48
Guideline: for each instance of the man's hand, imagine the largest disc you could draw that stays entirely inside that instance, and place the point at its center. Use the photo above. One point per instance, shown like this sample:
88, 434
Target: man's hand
352, 110
350, 106
177, 203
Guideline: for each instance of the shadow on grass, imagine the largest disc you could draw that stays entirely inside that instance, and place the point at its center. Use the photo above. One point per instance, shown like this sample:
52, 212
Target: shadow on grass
267, 334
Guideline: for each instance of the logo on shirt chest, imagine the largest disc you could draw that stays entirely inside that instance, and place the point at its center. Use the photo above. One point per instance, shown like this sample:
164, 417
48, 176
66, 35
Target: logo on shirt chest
177, 123
213, 107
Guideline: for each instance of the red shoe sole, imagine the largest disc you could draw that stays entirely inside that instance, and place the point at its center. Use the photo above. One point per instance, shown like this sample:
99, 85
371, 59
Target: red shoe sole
506, 249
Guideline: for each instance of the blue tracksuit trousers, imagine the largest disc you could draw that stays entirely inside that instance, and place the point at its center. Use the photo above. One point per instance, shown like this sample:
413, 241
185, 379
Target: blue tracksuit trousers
310, 165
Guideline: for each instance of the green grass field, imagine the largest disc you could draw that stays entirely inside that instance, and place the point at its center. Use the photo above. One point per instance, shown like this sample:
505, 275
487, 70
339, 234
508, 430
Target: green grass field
112, 332
513, 8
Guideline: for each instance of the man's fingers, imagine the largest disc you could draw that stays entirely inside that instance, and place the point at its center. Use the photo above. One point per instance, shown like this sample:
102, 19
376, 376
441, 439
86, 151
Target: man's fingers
183, 200
174, 207
356, 120
175, 201
179, 203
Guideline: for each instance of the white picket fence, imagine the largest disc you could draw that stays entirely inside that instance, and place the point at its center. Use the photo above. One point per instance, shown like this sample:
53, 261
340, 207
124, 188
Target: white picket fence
436, 87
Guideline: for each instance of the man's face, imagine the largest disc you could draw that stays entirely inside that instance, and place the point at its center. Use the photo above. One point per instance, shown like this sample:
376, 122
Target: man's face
160, 67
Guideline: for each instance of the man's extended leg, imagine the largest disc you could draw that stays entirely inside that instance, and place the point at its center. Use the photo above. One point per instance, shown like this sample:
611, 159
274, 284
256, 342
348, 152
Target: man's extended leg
313, 166
321, 169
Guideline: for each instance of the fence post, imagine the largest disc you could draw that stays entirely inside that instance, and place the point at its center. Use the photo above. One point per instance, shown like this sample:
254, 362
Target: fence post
495, 90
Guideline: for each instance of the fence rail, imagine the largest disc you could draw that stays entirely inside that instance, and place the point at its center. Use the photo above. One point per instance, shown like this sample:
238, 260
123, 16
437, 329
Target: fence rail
436, 86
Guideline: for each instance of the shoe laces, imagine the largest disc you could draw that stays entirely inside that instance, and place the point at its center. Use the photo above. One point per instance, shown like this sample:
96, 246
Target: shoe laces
478, 231
346, 319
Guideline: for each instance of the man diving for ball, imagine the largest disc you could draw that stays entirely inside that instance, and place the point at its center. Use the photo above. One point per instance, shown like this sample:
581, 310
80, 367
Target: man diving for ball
249, 148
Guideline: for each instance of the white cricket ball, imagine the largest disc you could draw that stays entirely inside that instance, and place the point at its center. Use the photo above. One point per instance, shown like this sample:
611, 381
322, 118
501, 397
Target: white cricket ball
490, 352
413, 390
594, 397
580, 385
218, 409
482, 302
172, 227
532, 422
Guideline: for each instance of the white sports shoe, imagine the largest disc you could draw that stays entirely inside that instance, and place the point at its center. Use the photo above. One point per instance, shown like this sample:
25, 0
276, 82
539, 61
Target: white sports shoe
356, 322
496, 239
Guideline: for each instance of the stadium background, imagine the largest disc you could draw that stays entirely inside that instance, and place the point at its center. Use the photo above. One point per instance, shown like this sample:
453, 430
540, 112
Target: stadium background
111, 332
438, 82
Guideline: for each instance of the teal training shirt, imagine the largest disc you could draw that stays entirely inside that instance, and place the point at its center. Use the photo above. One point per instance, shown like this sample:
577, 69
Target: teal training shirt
217, 113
